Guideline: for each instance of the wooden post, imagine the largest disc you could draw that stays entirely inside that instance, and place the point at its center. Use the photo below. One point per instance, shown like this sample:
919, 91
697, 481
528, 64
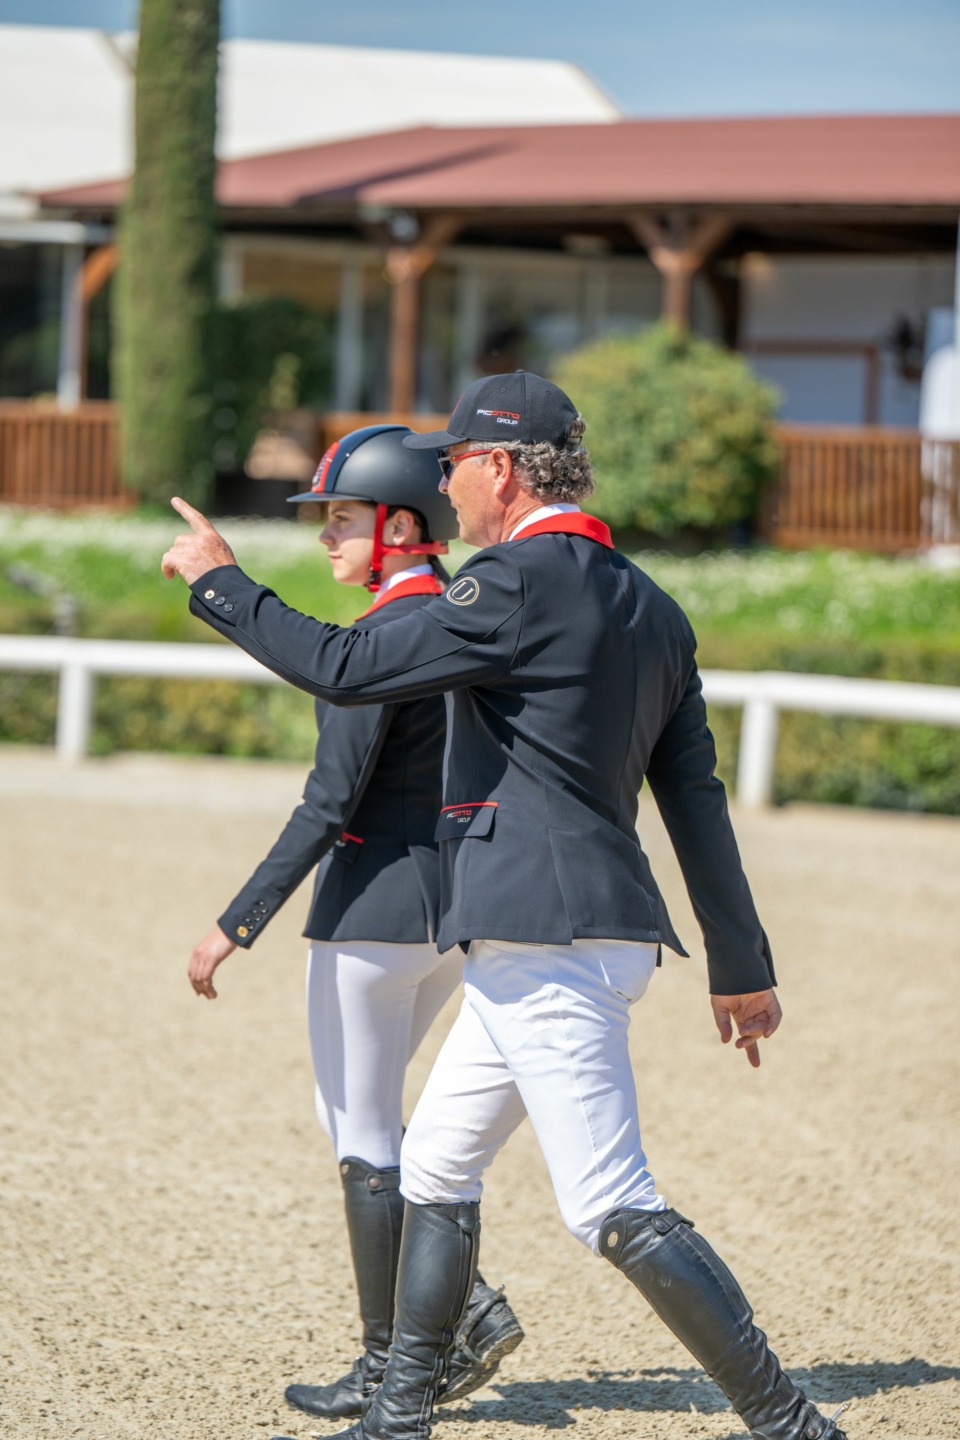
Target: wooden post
405, 265
94, 273
404, 314
678, 245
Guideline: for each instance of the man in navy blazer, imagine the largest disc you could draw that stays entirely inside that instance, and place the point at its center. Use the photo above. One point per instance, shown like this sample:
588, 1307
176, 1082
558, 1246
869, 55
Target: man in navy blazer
570, 678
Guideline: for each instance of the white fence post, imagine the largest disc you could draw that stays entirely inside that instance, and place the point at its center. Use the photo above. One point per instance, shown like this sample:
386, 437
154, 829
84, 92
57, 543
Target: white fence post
74, 710
758, 752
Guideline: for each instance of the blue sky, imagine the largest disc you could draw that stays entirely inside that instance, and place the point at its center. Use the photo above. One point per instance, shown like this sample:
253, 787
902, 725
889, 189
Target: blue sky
701, 57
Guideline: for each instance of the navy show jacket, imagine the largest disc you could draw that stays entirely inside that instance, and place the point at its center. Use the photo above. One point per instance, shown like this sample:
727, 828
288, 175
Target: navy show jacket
571, 677
377, 777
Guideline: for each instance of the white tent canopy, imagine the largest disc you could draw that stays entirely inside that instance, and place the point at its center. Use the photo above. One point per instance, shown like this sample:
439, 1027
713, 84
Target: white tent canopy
66, 99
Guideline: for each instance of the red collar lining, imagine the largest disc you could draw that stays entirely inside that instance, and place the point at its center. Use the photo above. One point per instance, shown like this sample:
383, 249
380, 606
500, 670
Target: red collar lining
572, 522
416, 585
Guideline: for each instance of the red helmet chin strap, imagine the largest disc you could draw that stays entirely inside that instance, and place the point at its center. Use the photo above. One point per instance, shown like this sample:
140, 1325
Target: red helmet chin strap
423, 547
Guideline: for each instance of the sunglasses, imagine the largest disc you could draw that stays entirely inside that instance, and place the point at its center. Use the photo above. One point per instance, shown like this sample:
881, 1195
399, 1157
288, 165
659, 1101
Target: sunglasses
448, 463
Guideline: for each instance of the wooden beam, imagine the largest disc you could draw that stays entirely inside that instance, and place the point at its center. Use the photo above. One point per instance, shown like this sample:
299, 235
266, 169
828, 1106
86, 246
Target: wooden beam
97, 269
404, 315
405, 266
678, 245
94, 273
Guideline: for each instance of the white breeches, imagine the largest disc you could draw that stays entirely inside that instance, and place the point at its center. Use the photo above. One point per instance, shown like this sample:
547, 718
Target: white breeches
369, 1004
542, 1032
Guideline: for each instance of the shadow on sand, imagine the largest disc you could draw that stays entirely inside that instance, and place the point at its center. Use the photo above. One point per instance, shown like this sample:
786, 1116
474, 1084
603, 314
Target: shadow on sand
548, 1403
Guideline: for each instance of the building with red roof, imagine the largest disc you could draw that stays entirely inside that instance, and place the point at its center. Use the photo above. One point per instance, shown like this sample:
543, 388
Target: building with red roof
823, 247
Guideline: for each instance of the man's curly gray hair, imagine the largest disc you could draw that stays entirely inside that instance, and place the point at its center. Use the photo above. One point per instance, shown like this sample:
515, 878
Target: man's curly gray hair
554, 476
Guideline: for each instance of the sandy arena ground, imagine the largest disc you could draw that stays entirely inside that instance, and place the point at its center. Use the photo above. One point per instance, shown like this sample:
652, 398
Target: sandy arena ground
172, 1239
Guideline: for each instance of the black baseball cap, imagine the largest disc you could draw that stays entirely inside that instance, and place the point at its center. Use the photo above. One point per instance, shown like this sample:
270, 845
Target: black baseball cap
505, 408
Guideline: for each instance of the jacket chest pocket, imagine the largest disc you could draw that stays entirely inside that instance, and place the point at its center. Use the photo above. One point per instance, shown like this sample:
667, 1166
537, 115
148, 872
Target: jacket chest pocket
474, 817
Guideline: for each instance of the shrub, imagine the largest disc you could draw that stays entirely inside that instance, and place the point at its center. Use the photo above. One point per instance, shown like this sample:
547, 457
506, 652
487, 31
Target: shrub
209, 717
679, 430
271, 353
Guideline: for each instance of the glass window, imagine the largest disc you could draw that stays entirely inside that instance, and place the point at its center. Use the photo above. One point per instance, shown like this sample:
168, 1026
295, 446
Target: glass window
484, 313
30, 284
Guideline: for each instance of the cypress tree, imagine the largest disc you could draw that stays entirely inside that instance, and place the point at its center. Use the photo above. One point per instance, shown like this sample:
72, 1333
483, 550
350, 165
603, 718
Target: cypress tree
168, 253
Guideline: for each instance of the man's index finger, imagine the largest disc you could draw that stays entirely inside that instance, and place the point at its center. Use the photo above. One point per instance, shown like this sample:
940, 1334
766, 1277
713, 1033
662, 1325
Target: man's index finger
197, 521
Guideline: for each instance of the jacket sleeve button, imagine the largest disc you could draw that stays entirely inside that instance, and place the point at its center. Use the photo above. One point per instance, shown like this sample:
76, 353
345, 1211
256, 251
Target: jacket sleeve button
242, 931
209, 594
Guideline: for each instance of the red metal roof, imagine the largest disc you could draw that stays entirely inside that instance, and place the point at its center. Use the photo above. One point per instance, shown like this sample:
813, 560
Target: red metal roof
885, 160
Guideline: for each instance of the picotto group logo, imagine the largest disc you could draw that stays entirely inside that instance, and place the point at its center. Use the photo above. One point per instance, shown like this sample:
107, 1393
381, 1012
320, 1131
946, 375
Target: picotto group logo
502, 417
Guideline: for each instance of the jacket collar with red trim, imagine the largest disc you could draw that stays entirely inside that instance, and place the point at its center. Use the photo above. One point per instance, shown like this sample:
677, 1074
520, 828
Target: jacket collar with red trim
416, 585
572, 523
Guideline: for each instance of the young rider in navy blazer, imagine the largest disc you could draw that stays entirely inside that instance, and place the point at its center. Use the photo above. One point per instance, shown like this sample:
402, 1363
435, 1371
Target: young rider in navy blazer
375, 978
572, 680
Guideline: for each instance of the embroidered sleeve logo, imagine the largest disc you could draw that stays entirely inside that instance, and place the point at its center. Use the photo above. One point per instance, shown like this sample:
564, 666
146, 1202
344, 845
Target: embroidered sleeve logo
463, 592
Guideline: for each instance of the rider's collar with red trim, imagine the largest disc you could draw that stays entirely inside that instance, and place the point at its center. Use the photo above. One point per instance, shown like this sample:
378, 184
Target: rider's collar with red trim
416, 585
574, 522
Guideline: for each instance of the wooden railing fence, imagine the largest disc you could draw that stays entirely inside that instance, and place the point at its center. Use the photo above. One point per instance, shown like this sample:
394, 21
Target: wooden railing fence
64, 459
868, 487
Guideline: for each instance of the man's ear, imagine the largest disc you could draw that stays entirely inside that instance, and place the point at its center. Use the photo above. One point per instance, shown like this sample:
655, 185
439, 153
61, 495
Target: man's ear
502, 462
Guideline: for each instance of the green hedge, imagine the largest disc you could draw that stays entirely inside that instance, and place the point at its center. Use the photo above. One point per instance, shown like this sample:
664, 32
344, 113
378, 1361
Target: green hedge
844, 761
838, 761
208, 717
831, 613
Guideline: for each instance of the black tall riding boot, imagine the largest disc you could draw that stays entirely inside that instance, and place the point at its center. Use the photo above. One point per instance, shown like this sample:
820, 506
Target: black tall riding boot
695, 1294
438, 1259
374, 1209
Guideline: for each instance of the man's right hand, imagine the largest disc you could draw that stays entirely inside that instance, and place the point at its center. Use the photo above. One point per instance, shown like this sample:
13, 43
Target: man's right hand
756, 1017
207, 955
203, 549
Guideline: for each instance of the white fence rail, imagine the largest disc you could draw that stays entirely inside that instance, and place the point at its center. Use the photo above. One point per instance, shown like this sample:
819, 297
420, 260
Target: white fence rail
79, 662
762, 694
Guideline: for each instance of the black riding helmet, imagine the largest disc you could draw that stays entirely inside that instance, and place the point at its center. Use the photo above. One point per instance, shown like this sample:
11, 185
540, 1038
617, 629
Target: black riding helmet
372, 465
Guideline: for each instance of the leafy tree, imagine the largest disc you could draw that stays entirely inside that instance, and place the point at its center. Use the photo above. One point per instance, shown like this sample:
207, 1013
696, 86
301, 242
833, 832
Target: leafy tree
679, 430
168, 245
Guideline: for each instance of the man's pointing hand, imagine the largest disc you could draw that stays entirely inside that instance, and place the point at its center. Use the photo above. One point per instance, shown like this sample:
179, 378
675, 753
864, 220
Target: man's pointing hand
203, 549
